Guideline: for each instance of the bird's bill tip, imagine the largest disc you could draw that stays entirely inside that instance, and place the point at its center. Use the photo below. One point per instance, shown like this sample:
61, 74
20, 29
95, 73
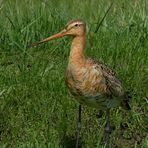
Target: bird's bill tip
32, 44
57, 35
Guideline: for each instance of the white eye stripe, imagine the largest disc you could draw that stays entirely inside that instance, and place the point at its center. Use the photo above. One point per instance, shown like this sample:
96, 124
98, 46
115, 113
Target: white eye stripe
73, 24
77, 23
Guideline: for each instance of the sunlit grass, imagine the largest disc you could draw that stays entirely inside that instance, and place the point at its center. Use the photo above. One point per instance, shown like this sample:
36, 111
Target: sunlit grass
36, 108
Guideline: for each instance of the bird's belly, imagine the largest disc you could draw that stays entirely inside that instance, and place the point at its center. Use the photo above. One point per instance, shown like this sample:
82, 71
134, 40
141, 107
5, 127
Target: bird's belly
99, 102
88, 87
92, 97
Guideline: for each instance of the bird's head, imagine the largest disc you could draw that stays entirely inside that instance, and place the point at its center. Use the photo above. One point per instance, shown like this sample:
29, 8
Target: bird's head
73, 28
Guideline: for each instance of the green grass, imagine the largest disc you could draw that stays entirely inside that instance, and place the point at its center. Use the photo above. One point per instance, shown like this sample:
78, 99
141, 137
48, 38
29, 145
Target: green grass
36, 108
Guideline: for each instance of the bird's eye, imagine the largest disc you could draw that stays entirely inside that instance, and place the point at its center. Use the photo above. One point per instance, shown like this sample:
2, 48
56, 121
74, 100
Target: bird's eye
76, 25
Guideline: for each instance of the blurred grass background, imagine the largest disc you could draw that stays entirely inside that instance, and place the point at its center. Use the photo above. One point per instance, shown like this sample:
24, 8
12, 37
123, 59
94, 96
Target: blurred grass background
36, 109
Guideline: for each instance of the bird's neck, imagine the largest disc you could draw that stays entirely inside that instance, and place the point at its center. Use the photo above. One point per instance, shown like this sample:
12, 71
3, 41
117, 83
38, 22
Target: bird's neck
76, 52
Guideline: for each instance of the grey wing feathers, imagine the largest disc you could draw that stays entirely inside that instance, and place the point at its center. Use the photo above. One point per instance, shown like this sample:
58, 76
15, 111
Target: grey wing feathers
116, 88
112, 82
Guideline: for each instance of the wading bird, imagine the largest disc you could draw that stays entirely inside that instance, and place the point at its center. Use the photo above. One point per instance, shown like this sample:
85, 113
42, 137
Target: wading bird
90, 81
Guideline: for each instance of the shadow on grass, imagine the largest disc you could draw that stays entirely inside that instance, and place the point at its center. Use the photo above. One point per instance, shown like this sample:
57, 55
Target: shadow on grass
70, 142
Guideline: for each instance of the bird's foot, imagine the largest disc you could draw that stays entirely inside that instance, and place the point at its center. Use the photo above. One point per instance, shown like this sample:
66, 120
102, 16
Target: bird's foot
99, 114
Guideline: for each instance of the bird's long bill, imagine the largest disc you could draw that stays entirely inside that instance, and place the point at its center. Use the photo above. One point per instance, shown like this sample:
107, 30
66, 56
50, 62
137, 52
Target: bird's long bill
57, 35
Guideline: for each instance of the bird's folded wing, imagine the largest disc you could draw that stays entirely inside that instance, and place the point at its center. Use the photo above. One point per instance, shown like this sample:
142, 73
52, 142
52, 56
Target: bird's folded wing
113, 84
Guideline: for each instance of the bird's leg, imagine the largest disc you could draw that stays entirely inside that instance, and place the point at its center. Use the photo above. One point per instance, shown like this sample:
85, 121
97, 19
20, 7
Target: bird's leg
78, 126
108, 129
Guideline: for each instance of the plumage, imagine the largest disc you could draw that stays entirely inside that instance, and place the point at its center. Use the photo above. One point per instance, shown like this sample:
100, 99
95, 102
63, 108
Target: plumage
94, 84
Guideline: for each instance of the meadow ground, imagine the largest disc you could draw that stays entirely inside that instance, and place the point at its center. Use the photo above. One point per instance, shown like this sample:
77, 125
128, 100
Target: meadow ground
36, 109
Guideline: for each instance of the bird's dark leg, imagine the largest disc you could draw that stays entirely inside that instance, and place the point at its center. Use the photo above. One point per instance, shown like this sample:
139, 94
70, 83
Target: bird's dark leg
108, 129
78, 126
